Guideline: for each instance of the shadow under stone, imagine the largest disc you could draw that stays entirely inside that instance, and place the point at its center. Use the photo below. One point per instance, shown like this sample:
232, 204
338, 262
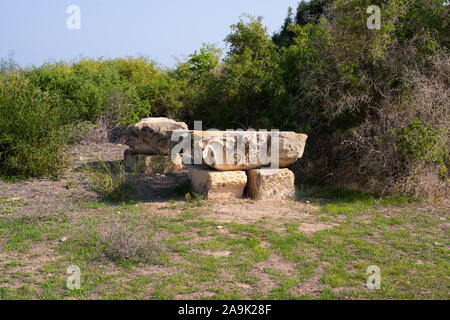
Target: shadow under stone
155, 187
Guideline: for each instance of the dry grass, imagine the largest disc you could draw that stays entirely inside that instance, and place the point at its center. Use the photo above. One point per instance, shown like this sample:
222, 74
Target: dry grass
123, 240
109, 180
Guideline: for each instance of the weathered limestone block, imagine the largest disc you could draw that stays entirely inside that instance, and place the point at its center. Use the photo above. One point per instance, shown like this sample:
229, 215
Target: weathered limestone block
218, 184
291, 147
150, 164
152, 135
243, 150
264, 184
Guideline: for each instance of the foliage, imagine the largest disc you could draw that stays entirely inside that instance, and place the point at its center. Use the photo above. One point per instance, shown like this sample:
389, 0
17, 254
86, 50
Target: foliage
41, 105
244, 94
94, 89
347, 86
31, 142
202, 63
307, 13
420, 141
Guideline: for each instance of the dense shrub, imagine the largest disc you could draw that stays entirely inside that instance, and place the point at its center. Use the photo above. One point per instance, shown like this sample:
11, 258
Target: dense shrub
355, 91
41, 106
94, 89
31, 133
419, 141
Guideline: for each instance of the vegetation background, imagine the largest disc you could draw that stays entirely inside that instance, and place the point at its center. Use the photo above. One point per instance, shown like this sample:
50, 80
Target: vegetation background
374, 103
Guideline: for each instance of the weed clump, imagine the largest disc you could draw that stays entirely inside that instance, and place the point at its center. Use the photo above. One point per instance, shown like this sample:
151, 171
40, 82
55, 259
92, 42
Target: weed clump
109, 180
128, 241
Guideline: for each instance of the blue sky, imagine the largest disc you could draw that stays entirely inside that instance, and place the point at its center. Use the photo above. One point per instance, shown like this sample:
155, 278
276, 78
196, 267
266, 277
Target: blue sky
162, 30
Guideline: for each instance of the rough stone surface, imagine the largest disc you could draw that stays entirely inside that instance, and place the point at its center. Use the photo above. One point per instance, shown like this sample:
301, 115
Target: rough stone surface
152, 135
150, 164
291, 147
273, 184
217, 184
254, 153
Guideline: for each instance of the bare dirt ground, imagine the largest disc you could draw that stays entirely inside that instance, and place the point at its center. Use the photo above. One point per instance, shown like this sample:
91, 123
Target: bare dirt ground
41, 197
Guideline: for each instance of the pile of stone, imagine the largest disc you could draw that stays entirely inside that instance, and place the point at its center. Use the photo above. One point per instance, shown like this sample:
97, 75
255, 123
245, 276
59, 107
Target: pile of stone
225, 170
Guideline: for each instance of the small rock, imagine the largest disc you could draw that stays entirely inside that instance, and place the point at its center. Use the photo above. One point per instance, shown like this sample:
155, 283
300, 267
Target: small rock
307, 201
244, 286
221, 254
219, 227
63, 239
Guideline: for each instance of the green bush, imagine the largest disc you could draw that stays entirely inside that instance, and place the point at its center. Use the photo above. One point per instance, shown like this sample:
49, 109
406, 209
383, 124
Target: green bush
40, 106
93, 89
421, 142
31, 139
346, 86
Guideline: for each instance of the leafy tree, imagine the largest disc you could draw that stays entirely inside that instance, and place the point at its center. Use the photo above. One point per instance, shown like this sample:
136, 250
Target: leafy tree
246, 90
203, 63
311, 11
285, 36
307, 12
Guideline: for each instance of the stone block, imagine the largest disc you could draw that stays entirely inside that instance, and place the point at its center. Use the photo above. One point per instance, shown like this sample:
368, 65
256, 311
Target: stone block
265, 184
244, 150
152, 136
218, 184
